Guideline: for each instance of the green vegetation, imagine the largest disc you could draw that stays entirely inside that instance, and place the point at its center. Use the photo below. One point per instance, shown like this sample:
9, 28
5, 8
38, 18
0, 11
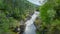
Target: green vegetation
50, 16
13, 11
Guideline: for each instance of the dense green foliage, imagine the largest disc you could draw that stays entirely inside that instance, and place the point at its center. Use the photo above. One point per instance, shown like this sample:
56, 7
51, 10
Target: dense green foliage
50, 16
11, 12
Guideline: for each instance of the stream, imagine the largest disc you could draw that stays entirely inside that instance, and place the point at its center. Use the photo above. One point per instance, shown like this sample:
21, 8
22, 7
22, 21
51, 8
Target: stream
30, 27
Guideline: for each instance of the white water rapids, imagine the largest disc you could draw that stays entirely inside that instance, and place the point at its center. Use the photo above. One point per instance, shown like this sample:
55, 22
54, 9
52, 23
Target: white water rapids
30, 27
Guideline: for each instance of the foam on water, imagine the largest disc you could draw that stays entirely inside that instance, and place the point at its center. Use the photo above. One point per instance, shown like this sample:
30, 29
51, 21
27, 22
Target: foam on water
37, 2
30, 27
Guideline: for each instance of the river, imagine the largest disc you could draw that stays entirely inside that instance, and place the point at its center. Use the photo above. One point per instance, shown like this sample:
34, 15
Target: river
30, 27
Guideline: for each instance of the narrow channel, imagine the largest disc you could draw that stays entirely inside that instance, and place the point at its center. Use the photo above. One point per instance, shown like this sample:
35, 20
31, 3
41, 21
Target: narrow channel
30, 27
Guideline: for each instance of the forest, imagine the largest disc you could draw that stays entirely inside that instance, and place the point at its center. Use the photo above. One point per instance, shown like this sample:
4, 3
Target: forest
15, 12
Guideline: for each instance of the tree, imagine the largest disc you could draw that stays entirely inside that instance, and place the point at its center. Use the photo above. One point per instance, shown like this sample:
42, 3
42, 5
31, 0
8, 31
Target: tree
11, 12
48, 12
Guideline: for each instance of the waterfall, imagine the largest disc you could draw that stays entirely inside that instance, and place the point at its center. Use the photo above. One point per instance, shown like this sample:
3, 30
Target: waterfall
30, 27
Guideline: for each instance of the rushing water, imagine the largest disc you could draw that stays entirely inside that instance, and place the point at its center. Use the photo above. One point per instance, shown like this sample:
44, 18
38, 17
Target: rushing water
30, 27
37, 2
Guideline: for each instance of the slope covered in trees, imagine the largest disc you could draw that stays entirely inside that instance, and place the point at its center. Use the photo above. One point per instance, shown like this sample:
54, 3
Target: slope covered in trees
11, 12
50, 16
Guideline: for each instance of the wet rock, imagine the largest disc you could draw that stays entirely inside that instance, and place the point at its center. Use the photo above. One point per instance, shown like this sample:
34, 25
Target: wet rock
16, 29
38, 23
22, 28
